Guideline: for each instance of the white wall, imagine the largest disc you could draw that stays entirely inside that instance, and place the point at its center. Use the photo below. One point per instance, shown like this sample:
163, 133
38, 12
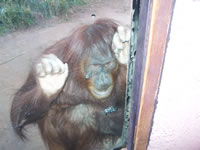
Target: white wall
177, 117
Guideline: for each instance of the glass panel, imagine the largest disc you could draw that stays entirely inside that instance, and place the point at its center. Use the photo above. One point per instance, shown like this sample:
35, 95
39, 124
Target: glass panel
63, 69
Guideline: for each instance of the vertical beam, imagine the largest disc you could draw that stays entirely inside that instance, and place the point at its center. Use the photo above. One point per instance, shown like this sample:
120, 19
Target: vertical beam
160, 18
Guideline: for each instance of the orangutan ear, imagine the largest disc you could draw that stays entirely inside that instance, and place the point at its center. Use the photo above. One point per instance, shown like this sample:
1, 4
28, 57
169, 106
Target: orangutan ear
121, 44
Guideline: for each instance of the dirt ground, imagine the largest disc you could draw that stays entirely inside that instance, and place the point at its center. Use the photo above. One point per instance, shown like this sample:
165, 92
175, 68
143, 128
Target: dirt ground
19, 49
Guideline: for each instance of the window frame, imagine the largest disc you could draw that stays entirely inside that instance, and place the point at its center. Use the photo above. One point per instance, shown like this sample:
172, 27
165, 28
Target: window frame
154, 27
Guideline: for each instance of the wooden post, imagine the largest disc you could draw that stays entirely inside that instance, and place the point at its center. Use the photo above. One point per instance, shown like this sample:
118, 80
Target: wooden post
154, 46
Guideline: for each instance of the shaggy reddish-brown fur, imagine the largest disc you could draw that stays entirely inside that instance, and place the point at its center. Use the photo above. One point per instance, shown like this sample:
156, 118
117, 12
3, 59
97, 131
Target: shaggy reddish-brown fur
74, 119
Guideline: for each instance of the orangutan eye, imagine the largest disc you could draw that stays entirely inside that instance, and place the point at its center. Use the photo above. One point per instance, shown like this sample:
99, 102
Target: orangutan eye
110, 64
95, 66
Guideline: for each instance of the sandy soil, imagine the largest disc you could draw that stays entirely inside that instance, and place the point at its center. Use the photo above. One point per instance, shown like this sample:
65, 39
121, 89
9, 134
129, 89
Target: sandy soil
19, 49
